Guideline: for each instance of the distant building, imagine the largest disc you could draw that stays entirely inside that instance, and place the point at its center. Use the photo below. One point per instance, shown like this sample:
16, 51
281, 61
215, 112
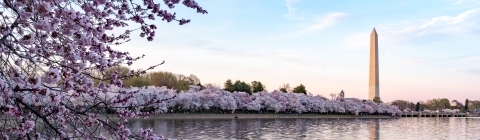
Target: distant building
374, 88
341, 96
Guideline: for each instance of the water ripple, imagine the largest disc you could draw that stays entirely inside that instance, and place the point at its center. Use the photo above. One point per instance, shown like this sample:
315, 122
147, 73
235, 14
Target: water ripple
311, 129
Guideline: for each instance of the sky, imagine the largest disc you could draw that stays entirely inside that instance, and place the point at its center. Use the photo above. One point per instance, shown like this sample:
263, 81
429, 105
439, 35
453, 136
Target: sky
427, 49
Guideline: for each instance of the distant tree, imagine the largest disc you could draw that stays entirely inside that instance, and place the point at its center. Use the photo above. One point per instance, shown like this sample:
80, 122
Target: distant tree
257, 86
300, 89
178, 82
439, 103
121, 70
455, 104
183, 82
417, 107
334, 96
182, 85
471, 105
411, 106
137, 81
159, 79
228, 86
242, 87
194, 80
466, 106
474, 105
402, 104
445, 103
285, 88
377, 100
237, 86
424, 105
247, 88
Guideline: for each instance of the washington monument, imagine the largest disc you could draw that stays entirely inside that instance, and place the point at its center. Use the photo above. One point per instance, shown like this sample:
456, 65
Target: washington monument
373, 93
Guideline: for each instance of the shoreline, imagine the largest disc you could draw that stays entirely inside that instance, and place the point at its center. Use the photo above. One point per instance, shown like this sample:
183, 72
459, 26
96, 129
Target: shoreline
265, 116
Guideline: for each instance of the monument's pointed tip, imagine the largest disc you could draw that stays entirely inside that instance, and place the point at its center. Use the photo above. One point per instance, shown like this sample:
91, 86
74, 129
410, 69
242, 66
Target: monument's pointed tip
374, 31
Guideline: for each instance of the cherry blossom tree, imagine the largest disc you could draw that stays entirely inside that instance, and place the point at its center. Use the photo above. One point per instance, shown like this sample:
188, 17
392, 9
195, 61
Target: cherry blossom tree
279, 102
214, 98
48, 51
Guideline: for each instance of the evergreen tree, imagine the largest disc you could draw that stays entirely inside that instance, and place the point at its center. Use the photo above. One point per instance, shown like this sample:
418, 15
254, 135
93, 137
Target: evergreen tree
417, 107
257, 86
242, 87
300, 89
229, 86
466, 106
377, 100
238, 86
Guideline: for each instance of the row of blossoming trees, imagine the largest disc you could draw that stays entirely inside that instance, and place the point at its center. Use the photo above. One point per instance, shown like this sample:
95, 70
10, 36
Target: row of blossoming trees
214, 98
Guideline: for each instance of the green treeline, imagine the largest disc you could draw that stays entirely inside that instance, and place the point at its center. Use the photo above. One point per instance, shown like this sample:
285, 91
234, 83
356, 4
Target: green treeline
160, 78
438, 104
181, 82
241, 86
257, 86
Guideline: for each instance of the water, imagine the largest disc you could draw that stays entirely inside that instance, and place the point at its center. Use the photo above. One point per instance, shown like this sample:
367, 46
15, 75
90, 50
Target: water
309, 129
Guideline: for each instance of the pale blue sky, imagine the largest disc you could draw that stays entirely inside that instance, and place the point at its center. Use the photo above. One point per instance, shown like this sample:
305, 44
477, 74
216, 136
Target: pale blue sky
427, 49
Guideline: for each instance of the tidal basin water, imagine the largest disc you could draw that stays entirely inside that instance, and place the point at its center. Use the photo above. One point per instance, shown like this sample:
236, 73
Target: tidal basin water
344, 129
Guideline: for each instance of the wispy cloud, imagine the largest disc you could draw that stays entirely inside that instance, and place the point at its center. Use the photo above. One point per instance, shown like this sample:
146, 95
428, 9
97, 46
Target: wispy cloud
473, 58
410, 61
321, 22
273, 55
453, 70
456, 2
474, 71
390, 50
448, 21
325, 21
291, 10
299, 61
468, 71
465, 22
356, 41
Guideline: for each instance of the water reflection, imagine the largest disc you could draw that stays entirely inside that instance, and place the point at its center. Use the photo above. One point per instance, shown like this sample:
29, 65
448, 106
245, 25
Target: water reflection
374, 130
358, 129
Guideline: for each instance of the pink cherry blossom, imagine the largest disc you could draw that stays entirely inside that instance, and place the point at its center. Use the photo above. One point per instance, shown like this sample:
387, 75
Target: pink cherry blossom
51, 52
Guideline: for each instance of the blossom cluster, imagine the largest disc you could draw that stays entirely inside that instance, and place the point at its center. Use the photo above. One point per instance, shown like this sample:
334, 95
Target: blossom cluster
49, 51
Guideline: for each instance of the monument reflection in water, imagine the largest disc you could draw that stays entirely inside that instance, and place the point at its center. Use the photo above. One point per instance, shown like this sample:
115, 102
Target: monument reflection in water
374, 129
357, 129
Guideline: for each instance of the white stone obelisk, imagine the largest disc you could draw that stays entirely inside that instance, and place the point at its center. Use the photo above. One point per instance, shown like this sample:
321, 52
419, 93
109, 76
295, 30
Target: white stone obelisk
373, 82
